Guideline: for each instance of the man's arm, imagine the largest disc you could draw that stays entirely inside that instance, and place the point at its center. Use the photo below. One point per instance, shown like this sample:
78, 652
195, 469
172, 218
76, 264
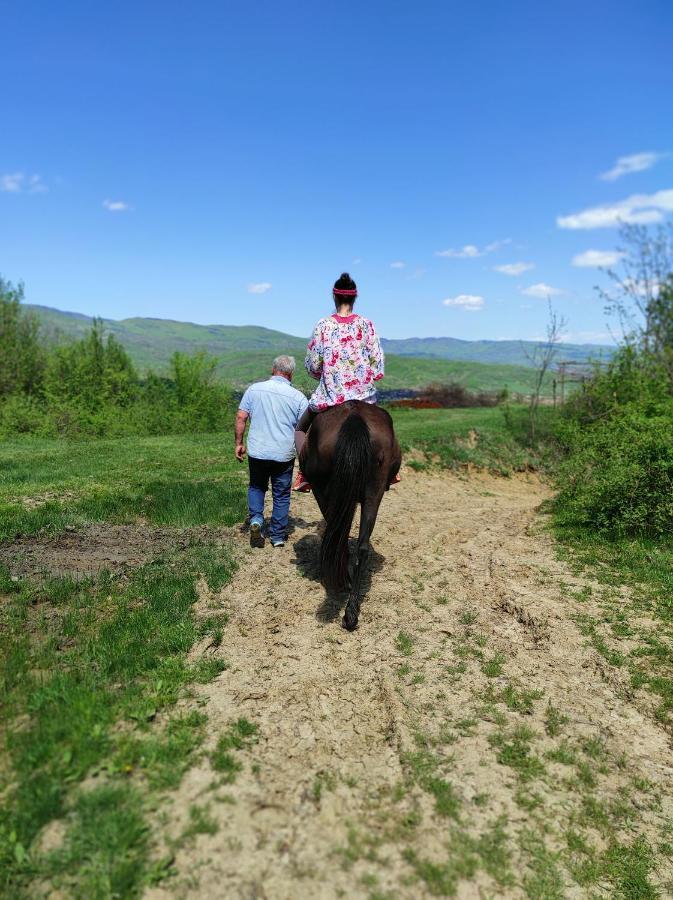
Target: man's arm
239, 430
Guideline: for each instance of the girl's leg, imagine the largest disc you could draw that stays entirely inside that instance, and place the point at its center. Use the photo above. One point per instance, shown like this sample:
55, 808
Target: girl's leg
301, 428
300, 483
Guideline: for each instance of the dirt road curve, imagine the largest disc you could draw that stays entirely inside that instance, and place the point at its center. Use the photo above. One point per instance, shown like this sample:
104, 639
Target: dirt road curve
412, 757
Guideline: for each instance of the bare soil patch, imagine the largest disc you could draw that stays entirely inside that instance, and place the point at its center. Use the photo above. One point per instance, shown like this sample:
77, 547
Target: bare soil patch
116, 548
449, 746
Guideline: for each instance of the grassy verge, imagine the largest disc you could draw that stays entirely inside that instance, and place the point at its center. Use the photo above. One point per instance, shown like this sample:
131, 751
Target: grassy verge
632, 629
95, 677
177, 480
90, 676
488, 438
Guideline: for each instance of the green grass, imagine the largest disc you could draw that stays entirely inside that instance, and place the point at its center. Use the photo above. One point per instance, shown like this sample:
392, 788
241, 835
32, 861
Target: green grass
492, 668
544, 880
177, 480
492, 438
200, 822
645, 567
224, 759
77, 659
105, 850
515, 750
466, 856
404, 644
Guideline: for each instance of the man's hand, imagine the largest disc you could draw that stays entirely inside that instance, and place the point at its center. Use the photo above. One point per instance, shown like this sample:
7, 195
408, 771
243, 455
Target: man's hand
240, 451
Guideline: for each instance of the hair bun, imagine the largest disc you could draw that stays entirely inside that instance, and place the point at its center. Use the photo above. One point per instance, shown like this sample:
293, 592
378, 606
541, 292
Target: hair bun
344, 277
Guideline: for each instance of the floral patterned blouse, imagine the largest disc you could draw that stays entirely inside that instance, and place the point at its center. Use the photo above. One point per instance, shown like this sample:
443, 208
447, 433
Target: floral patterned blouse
345, 355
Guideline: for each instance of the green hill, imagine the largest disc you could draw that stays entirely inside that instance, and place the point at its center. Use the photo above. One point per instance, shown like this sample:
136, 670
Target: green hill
245, 352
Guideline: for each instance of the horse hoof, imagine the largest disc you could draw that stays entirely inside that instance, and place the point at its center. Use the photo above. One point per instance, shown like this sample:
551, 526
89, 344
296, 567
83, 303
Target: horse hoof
349, 624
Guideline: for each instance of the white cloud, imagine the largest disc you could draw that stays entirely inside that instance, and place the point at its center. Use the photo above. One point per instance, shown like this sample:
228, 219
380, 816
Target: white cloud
638, 209
626, 165
471, 251
514, 268
643, 287
12, 183
116, 205
397, 265
469, 302
357, 261
260, 287
497, 245
19, 182
592, 259
542, 291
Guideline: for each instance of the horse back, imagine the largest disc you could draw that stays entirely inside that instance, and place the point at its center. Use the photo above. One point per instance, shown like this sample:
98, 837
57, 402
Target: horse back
324, 433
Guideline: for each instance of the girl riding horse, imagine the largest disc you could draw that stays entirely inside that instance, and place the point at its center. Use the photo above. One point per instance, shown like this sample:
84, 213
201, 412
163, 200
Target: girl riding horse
345, 356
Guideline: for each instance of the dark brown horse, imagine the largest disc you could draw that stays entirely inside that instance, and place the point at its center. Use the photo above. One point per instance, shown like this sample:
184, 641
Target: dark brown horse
350, 457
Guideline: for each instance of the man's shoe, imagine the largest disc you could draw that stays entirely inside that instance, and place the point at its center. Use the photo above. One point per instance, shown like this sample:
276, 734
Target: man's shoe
278, 543
301, 485
256, 536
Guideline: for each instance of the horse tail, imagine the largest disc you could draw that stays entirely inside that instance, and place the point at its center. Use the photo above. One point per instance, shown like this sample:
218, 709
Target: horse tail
352, 462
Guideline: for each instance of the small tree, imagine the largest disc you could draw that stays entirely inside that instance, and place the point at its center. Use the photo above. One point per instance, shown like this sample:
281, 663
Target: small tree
635, 299
203, 403
541, 359
22, 359
92, 372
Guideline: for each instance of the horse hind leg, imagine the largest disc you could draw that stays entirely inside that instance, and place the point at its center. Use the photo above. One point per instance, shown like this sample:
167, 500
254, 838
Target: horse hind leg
368, 514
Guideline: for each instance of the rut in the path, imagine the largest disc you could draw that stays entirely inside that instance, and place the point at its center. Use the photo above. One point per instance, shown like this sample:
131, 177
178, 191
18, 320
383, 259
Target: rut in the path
378, 751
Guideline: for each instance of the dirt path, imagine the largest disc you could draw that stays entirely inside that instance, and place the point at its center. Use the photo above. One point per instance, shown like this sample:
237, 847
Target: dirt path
453, 744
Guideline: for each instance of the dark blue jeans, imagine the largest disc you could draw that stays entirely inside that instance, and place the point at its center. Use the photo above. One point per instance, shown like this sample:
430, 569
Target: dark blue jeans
280, 475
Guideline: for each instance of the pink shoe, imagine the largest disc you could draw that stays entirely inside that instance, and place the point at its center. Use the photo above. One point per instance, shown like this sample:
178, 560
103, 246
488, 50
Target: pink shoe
301, 485
396, 479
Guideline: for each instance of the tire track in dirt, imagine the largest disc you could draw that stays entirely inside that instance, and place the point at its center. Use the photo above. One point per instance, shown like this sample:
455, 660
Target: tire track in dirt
330, 802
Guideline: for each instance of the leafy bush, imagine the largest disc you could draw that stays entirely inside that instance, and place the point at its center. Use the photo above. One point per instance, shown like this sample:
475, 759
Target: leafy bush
22, 357
90, 387
631, 376
618, 475
23, 414
91, 373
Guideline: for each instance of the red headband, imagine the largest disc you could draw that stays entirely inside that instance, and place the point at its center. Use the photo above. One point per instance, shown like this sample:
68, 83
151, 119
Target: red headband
345, 293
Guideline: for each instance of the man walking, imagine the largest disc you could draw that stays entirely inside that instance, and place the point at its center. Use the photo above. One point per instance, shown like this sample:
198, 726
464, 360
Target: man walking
273, 408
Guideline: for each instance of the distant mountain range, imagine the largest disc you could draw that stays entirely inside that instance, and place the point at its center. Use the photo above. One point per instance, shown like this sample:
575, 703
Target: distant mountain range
513, 353
151, 341
245, 352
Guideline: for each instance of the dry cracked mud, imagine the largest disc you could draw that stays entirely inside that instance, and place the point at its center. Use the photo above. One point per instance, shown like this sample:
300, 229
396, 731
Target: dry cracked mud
452, 745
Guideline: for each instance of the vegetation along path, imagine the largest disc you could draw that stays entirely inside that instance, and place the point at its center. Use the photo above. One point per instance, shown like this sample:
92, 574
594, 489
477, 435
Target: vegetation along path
467, 740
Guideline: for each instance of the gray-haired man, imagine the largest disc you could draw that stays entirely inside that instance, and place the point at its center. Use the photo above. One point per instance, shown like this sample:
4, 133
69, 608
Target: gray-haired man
273, 407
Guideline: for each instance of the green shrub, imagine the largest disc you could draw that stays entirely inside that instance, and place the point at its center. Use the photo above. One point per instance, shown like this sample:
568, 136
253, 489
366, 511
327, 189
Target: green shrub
631, 376
90, 388
618, 475
91, 373
24, 414
22, 356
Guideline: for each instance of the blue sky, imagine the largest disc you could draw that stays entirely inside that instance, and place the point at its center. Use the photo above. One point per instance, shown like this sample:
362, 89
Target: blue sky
223, 162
